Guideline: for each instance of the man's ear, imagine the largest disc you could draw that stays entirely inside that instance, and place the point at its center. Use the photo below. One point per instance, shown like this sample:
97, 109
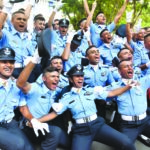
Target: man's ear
43, 78
119, 71
70, 79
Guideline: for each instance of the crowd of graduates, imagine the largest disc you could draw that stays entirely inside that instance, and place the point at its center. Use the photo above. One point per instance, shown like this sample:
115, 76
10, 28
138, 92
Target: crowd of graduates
56, 84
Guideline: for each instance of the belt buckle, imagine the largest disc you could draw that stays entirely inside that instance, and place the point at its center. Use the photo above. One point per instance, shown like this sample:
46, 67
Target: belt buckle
135, 118
86, 119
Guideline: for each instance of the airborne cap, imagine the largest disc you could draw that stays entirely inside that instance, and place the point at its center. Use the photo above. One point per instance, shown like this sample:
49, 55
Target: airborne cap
76, 70
7, 54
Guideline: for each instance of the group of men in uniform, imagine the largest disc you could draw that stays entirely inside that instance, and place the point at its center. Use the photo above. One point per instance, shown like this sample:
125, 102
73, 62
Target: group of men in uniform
66, 85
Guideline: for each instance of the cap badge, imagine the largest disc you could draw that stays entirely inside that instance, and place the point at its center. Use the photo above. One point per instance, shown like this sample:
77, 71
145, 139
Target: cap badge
79, 38
7, 52
79, 67
64, 21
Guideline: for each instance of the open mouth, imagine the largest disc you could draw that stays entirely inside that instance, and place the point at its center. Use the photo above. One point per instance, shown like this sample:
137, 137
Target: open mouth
80, 82
21, 26
7, 70
97, 58
54, 85
130, 57
130, 73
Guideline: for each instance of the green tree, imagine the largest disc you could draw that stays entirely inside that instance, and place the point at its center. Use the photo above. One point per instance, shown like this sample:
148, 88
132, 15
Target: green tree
74, 10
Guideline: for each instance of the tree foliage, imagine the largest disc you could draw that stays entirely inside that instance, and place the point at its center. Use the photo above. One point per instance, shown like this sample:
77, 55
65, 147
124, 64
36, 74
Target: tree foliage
74, 10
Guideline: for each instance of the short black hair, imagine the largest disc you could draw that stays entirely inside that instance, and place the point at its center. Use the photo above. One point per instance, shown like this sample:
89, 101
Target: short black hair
21, 9
50, 69
122, 61
39, 17
100, 12
55, 57
103, 32
56, 20
18, 12
81, 21
122, 50
146, 36
91, 46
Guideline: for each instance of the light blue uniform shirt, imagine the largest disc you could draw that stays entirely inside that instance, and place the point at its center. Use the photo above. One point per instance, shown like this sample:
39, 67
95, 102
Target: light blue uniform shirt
137, 45
140, 58
34, 38
84, 43
58, 43
9, 100
96, 29
39, 99
19, 43
108, 53
74, 58
81, 104
133, 102
101, 77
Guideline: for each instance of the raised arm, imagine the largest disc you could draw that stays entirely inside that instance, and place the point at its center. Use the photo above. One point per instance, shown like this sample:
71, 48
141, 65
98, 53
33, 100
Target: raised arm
58, 5
86, 7
66, 53
128, 33
51, 18
3, 17
90, 16
29, 7
120, 12
23, 77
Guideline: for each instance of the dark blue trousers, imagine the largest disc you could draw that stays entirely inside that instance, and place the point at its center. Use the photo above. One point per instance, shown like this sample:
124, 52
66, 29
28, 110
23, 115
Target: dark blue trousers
50, 141
134, 128
97, 130
12, 138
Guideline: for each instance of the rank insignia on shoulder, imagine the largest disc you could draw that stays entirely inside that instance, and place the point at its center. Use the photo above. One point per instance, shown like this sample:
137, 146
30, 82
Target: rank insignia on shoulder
88, 93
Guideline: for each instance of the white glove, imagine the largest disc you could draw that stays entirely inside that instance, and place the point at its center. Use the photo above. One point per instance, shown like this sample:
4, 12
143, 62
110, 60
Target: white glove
137, 27
69, 38
36, 59
87, 35
129, 16
7, 6
148, 64
27, 60
37, 125
58, 5
32, 2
